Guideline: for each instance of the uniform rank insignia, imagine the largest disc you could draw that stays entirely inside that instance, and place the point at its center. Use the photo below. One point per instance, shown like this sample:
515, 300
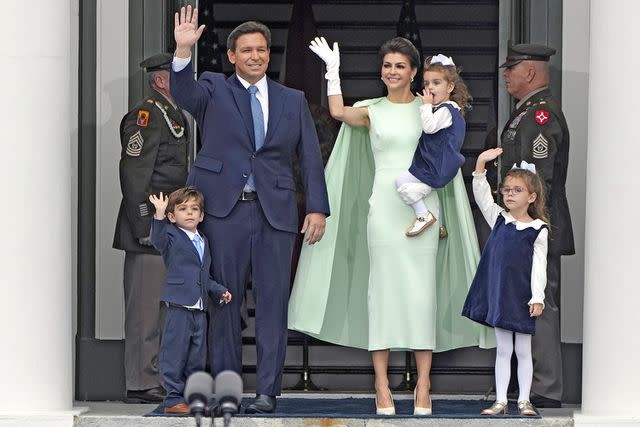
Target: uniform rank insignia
542, 116
143, 118
540, 147
134, 146
143, 209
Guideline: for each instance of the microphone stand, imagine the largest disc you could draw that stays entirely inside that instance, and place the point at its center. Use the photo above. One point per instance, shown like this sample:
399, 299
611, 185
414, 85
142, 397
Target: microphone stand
228, 408
197, 409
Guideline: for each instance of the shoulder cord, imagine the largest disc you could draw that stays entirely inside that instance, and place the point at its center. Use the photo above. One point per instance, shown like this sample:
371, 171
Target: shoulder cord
166, 119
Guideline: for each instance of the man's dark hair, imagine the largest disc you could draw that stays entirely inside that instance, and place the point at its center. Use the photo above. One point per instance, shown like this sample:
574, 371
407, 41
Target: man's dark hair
248, 27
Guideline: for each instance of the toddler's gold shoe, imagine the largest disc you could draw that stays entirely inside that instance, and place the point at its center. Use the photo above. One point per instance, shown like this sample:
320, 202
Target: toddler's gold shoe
525, 408
496, 409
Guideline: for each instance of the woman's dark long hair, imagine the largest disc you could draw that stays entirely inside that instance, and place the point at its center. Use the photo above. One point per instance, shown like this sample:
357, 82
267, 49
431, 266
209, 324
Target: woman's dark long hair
405, 47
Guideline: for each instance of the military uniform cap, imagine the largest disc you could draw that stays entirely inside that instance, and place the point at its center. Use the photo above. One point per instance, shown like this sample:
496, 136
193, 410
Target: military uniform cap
527, 52
161, 61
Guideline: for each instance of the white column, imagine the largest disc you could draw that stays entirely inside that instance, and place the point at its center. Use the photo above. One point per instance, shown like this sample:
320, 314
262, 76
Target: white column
611, 374
35, 265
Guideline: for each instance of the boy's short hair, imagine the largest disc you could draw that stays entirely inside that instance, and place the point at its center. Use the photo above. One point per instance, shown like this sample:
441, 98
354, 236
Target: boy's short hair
181, 195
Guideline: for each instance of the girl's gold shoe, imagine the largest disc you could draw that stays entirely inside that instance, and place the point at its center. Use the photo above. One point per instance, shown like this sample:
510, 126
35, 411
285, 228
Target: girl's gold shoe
496, 409
525, 408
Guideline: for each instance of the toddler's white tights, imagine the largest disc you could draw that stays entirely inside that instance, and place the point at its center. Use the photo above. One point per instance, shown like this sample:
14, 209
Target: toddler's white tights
504, 349
413, 185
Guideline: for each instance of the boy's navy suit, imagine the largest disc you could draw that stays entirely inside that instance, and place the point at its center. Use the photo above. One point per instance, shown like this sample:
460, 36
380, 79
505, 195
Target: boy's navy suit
183, 347
257, 234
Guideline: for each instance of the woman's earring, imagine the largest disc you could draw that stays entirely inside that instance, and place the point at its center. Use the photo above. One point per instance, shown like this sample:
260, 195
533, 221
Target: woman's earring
411, 79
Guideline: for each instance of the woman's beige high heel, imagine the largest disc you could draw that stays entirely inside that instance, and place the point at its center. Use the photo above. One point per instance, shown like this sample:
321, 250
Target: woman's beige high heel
417, 410
391, 410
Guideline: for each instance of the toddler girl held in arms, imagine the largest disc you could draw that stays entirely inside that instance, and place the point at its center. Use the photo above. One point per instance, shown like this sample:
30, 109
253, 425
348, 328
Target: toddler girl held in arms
437, 158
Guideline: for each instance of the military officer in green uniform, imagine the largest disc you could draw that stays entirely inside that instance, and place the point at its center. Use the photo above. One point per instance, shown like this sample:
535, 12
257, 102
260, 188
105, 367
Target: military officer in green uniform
154, 158
537, 132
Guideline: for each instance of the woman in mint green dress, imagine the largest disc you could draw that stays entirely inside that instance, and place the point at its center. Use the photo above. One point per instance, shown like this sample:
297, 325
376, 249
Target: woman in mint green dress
366, 284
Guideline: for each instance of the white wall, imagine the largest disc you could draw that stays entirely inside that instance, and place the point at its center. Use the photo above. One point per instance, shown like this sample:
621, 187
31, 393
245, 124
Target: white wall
575, 102
112, 103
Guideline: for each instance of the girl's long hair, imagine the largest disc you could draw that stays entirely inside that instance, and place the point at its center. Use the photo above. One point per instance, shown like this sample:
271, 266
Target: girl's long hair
460, 94
536, 210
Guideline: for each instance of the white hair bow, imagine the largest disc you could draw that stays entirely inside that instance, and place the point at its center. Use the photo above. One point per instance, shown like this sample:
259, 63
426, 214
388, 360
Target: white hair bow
526, 166
441, 59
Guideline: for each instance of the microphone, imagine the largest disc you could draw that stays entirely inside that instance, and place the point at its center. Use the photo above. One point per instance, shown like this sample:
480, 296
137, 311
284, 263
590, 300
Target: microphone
228, 393
197, 392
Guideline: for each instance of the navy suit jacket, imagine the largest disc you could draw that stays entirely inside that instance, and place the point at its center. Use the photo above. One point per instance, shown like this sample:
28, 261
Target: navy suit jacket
222, 109
187, 278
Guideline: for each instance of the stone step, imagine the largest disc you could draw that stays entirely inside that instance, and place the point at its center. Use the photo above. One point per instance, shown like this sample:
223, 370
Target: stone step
112, 414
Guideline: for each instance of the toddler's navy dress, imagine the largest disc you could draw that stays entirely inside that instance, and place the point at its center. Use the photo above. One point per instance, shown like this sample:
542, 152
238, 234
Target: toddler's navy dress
501, 289
437, 157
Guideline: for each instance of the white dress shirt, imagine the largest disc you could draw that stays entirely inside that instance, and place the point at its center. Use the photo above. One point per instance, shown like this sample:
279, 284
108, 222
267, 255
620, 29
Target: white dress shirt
190, 235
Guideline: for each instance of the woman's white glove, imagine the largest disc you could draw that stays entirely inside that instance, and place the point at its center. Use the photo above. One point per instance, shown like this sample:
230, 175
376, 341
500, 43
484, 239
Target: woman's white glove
331, 58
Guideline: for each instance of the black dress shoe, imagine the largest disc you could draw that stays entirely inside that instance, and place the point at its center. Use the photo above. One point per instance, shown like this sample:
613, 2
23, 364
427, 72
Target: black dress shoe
151, 395
544, 402
264, 404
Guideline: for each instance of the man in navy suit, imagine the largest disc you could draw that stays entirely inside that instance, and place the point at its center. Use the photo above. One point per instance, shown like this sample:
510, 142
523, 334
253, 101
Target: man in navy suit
252, 128
187, 258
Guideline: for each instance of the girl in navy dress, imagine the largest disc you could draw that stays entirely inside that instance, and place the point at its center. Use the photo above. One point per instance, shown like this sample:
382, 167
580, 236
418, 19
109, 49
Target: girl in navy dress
507, 291
437, 158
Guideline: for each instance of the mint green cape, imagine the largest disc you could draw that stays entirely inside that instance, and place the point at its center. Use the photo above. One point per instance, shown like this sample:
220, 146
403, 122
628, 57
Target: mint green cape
329, 297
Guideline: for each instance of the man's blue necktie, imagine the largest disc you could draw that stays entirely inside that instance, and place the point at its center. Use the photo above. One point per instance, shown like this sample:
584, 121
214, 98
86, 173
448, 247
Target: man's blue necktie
258, 125
196, 242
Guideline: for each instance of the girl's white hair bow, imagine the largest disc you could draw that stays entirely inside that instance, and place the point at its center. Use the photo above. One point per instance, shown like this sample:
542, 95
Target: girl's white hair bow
526, 166
442, 59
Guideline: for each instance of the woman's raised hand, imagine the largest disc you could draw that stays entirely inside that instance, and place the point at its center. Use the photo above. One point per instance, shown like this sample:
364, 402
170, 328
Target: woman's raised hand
186, 31
331, 58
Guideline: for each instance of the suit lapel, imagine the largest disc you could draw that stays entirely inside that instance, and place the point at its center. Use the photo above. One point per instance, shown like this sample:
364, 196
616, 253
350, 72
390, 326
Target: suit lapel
243, 102
188, 242
207, 249
276, 107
